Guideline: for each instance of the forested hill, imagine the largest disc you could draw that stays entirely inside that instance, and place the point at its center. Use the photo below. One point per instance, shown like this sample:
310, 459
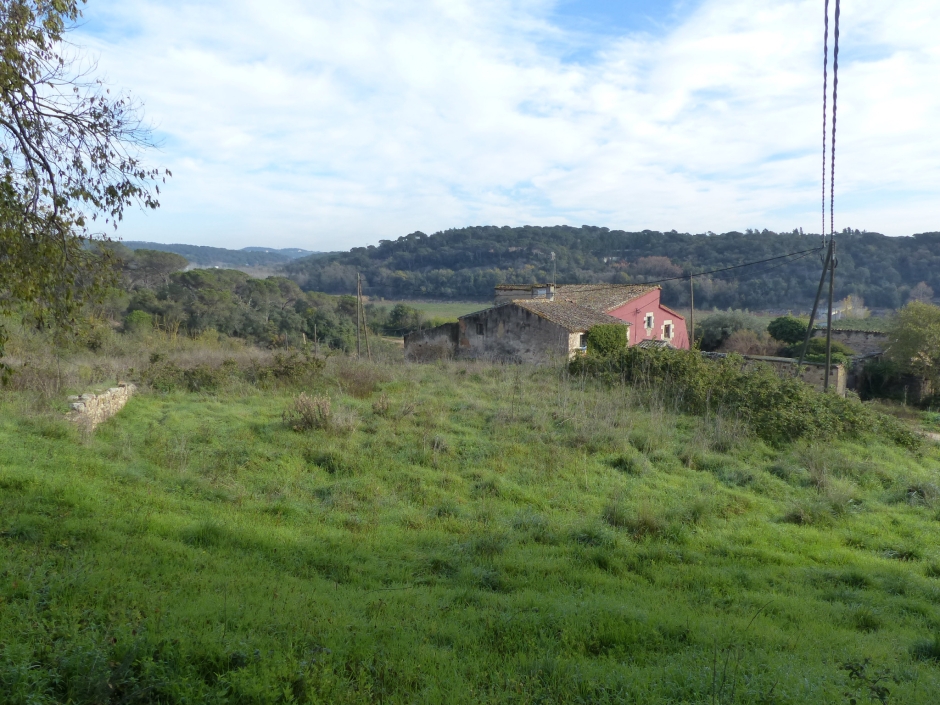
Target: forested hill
203, 256
466, 263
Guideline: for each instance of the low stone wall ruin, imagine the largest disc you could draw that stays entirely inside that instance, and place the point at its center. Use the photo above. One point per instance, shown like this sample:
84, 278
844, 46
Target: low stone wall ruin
863, 342
92, 409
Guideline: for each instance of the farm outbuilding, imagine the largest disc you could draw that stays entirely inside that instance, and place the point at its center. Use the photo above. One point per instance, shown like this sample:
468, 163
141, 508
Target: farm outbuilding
542, 323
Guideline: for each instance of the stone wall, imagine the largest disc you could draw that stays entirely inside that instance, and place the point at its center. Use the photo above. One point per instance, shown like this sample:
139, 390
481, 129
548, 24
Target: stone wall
438, 343
863, 342
92, 409
814, 373
510, 333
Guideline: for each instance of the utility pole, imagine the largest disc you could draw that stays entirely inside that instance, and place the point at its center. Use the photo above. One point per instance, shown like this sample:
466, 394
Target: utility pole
812, 316
365, 325
554, 273
358, 316
316, 340
832, 276
691, 313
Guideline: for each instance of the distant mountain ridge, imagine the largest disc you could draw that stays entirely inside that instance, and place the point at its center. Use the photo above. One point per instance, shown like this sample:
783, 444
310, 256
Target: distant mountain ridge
203, 256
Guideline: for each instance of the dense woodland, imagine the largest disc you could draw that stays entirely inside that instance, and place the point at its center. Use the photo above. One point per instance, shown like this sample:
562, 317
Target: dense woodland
153, 289
467, 263
203, 256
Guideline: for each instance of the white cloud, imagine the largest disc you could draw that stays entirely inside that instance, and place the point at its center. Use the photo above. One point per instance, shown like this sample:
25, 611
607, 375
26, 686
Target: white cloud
332, 124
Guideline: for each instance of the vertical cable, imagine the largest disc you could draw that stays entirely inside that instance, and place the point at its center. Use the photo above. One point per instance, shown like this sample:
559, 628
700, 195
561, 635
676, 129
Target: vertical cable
835, 95
825, 121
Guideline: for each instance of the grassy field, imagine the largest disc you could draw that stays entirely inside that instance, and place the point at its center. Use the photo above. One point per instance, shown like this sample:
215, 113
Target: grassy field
457, 533
443, 310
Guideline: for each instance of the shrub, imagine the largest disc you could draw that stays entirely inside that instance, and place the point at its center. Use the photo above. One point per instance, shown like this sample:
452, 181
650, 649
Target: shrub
778, 410
607, 339
308, 413
788, 329
714, 330
747, 342
915, 340
293, 368
136, 321
359, 380
816, 351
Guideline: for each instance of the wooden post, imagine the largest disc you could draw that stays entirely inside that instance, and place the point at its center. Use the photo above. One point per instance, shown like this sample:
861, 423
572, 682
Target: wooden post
358, 316
365, 330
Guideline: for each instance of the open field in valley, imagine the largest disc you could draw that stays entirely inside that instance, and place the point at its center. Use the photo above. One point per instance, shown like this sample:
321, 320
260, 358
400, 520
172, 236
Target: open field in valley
442, 310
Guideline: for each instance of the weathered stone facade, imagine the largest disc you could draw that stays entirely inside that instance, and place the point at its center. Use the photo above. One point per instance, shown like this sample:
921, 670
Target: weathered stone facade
863, 342
92, 409
510, 333
438, 343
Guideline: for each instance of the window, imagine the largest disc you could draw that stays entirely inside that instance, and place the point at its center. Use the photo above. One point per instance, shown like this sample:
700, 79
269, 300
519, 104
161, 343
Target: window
480, 329
649, 321
667, 331
540, 293
583, 341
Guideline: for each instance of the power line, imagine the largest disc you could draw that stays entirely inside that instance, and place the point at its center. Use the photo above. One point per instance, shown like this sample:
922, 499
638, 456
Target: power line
802, 255
683, 277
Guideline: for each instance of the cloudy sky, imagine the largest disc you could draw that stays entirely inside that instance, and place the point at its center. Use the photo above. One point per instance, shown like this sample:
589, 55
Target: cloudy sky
326, 124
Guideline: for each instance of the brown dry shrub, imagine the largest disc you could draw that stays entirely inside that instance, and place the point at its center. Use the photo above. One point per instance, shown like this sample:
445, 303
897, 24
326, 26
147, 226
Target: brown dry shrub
748, 342
359, 380
308, 413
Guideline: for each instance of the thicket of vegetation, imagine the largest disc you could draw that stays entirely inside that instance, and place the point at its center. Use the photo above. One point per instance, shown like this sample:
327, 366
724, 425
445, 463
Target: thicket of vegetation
466, 263
153, 292
341, 532
776, 409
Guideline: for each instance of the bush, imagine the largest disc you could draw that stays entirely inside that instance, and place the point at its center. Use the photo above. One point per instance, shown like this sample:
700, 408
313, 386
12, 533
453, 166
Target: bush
167, 376
915, 340
309, 413
747, 342
714, 330
816, 351
138, 321
788, 329
607, 339
778, 410
294, 367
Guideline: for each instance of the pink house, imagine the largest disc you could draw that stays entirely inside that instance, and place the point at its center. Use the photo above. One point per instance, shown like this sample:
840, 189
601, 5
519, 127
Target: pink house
636, 304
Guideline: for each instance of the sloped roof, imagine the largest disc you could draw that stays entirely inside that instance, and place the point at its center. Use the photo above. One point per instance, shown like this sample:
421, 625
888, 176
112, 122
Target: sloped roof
601, 297
653, 344
571, 316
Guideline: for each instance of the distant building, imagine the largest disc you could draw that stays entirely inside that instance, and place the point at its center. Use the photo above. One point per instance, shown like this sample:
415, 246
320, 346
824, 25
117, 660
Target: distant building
542, 322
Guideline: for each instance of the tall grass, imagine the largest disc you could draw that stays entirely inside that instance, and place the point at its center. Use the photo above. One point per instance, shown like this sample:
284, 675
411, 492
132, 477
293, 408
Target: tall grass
483, 533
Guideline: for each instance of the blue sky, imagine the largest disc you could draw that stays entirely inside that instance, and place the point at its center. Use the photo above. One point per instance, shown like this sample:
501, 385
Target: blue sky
332, 124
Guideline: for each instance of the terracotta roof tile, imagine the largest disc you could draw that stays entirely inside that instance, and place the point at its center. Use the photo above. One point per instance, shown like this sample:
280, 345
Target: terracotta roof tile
566, 314
601, 297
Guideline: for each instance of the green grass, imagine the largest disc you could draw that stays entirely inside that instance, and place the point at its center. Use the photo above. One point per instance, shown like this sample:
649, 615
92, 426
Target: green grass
462, 534
443, 310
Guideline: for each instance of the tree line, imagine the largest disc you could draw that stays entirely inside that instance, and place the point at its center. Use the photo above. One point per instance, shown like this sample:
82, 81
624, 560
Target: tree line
155, 289
466, 263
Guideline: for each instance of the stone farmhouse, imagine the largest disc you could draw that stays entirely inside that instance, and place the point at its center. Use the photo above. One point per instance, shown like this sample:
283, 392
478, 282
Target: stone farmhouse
545, 323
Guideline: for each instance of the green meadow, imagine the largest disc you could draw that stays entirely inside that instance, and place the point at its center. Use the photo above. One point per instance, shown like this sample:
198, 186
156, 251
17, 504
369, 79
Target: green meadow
440, 310
457, 533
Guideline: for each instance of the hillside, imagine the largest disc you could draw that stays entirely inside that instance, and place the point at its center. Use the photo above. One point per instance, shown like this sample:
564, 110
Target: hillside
455, 533
203, 256
467, 263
